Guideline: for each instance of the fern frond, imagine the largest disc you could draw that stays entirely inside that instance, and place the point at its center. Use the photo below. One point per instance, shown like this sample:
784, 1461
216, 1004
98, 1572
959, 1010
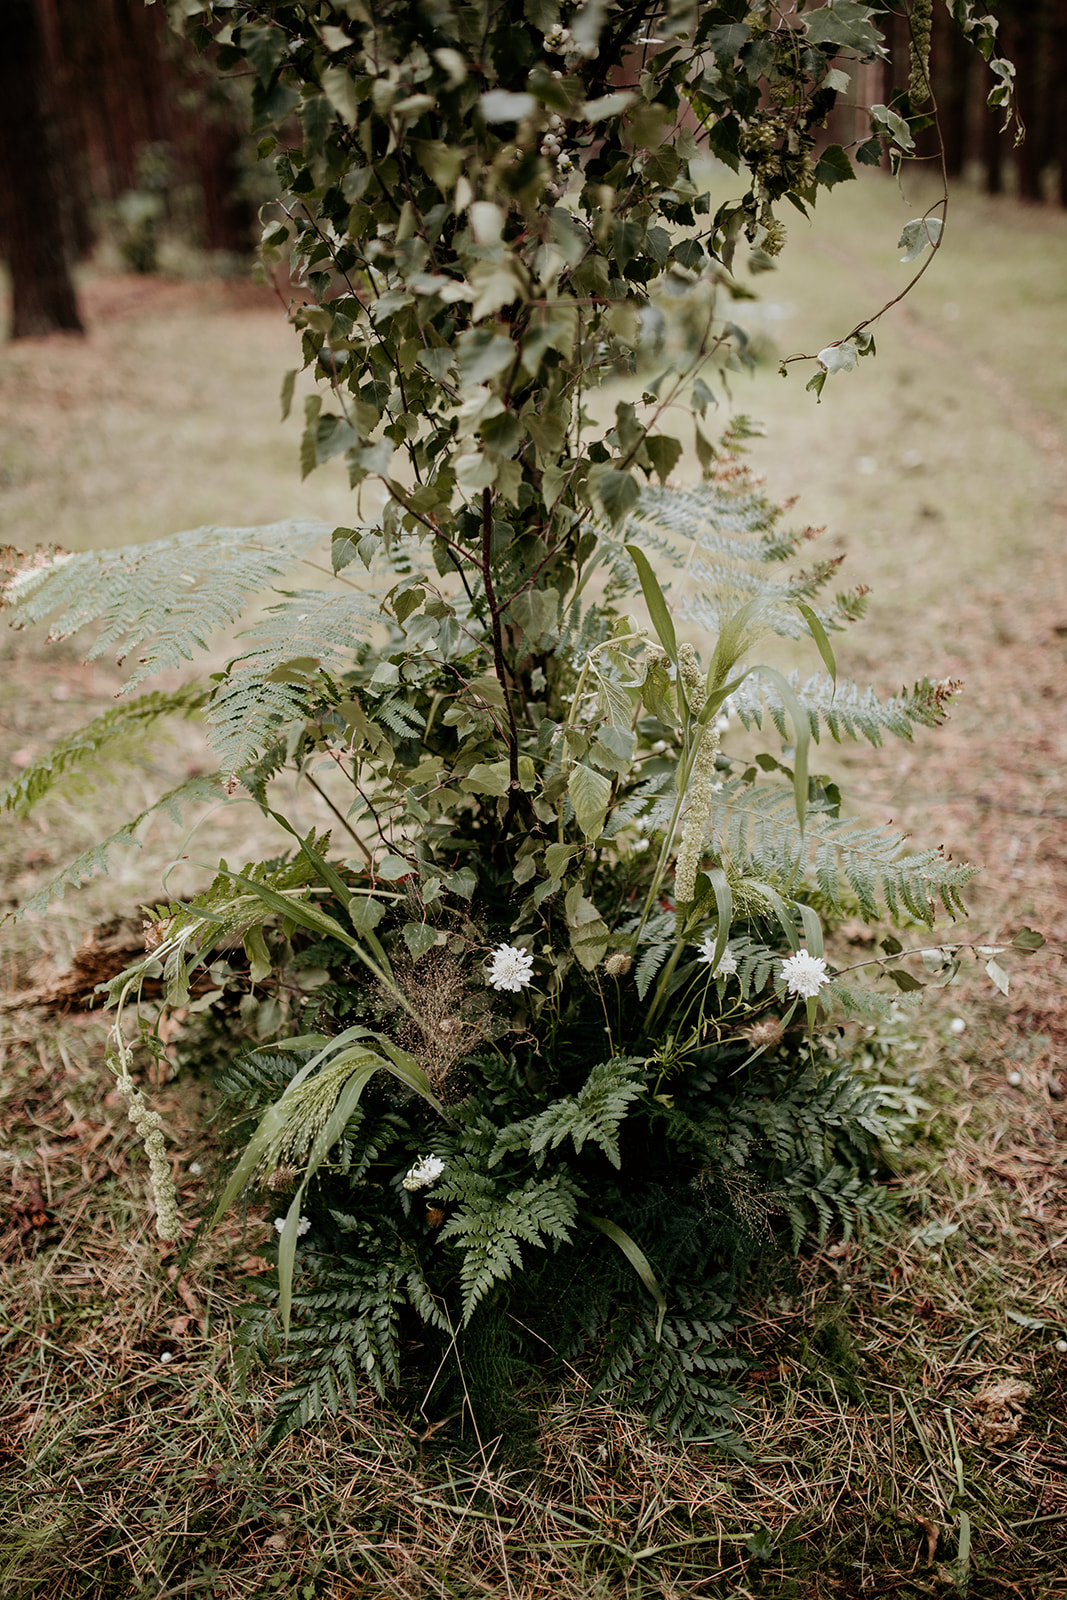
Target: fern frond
594, 1115
732, 515
845, 709
755, 826
724, 589
94, 742
168, 595
93, 862
247, 715
677, 1380
490, 1226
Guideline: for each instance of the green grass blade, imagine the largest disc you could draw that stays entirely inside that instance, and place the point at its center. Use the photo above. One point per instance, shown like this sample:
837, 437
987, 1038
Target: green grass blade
637, 1259
655, 601
802, 739
819, 634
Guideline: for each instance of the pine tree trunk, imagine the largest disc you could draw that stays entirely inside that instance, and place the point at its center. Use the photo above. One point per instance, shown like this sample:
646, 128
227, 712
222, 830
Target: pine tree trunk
42, 291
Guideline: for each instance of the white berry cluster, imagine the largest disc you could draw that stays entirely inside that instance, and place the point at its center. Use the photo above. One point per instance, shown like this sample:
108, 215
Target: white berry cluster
559, 41
552, 147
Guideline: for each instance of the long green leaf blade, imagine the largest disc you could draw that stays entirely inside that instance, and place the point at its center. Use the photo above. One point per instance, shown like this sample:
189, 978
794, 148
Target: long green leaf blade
819, 634
655, 601
637, 1259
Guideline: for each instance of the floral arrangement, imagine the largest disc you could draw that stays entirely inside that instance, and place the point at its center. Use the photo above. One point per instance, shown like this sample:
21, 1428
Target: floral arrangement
536, 1048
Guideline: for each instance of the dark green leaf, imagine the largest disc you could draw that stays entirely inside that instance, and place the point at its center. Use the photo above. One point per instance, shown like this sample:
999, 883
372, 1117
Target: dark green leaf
618, 494
833, 167
904, 980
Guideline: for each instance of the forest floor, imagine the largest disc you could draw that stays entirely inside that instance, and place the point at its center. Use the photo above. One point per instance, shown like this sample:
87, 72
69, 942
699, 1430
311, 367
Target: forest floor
906, 1431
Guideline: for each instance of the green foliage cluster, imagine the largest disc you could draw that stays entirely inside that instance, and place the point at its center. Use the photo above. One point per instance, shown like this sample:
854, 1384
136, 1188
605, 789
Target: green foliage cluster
552, 1082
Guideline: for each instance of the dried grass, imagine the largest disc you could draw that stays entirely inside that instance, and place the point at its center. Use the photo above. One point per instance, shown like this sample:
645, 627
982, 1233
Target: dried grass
870, 1471
133, 1452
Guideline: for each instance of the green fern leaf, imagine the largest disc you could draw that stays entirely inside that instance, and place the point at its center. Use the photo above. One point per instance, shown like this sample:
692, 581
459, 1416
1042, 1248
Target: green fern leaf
168, 595
489, 1227
93, 862
99, 740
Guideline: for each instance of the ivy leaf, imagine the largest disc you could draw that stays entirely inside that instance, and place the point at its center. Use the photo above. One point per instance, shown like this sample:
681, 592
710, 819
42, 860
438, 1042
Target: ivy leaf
838, 357
917, 235
848, 25
833, 167
589, 792
1028, 940
892, 125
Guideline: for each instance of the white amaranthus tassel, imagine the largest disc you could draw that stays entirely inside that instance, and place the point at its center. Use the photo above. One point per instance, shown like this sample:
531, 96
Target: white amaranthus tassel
149, 1126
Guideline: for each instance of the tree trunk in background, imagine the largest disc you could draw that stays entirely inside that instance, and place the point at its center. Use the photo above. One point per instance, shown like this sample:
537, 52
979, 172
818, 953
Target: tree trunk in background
31, 216
1021, 43
1058, 101
951, 71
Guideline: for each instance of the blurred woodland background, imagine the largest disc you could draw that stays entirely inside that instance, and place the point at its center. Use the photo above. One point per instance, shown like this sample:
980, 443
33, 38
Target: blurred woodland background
114, 130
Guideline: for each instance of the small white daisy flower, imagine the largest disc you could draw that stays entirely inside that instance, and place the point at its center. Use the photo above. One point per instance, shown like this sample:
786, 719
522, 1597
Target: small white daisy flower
301, 1228
511, 968
805, 974
425, 1172
727, 963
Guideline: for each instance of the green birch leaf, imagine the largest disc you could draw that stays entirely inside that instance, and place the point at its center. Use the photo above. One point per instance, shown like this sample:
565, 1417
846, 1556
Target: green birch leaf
419, 938
618, 494
590, 793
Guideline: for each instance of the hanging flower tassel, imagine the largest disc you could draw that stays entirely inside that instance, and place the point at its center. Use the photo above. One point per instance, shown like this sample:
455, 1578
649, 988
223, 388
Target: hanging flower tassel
149, 1126
919, 51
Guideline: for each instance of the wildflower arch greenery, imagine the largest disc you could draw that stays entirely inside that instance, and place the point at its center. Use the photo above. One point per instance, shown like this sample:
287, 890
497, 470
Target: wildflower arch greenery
565, 1063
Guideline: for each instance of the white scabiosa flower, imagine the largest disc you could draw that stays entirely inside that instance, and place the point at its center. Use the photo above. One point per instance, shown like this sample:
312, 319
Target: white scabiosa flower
425, 1172
301, 1228
805, 974
511, 968
727, 962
